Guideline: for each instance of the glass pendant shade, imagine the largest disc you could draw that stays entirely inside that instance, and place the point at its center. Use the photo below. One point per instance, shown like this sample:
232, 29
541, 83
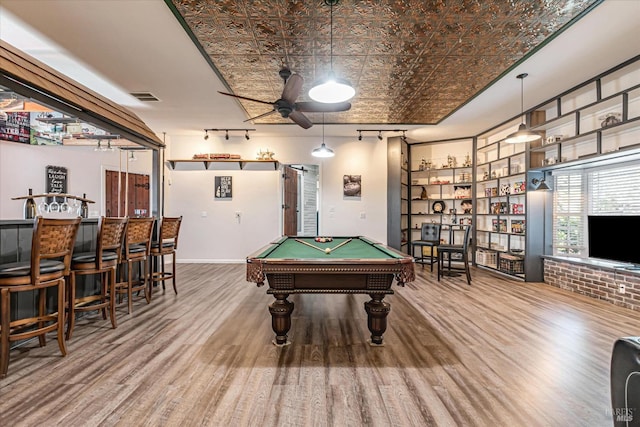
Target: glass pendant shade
323, 151
522, 135
331, 90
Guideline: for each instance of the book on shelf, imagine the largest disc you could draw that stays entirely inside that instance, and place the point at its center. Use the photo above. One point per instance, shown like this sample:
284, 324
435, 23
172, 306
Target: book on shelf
518, 226
499, 225
499, 208
517, 208
519, 187
491, 191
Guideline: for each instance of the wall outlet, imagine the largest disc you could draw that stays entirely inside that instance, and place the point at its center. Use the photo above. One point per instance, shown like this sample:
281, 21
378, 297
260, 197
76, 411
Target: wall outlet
622, 289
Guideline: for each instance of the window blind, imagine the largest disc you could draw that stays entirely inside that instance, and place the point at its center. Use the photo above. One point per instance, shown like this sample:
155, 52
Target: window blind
569, 214
614, 191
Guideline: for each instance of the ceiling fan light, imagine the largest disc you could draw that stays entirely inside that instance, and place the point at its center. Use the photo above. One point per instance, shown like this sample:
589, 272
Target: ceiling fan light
331, 90
522, 135
322, 151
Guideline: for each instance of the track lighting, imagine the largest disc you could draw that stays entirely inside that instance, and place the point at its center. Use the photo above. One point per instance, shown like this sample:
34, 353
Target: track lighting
380, 132
226, 132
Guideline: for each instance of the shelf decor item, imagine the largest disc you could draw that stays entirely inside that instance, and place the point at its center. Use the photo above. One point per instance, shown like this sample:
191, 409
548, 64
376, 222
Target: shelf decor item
438, 206
610, 119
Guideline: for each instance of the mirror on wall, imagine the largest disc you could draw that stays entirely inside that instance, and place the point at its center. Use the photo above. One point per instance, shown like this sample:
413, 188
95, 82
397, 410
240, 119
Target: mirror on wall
300, 204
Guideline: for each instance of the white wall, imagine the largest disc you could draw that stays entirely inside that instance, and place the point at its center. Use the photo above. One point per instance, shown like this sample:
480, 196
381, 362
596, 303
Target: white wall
22, 166
257, 195
218, 236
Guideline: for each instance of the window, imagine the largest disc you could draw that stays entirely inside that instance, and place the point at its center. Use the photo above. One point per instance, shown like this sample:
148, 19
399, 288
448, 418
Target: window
611, 190
569, 214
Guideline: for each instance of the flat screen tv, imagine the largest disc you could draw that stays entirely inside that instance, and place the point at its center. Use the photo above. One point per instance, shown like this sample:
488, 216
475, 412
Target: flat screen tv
614, 237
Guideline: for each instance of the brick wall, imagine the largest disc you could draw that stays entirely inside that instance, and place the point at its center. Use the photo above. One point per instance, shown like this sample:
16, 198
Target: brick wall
602, 283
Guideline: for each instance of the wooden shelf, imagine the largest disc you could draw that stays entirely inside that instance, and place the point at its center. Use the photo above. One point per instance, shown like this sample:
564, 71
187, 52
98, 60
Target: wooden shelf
68, 196
207, 164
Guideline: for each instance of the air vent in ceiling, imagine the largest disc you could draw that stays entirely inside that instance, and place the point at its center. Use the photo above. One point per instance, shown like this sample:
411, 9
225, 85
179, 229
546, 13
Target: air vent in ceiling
145, 96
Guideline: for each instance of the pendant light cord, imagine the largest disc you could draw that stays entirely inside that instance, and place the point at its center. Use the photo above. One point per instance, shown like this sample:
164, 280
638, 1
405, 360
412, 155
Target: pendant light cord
331, 38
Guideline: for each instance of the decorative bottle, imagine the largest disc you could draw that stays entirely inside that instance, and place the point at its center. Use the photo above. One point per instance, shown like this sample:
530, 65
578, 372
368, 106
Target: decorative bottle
84, 208
30, 207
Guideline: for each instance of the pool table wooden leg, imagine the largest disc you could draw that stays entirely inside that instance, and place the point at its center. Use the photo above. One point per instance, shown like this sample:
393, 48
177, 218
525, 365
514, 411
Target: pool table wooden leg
281, 310
377, 311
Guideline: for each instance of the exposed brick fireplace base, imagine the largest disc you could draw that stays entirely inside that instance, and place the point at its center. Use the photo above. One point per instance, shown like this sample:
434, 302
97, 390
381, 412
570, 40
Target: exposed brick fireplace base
599, 282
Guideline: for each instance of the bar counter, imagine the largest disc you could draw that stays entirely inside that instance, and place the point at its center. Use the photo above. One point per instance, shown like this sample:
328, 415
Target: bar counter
15, 245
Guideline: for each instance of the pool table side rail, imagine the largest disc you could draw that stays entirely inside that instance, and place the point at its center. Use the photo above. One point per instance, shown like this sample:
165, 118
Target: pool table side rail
403, 269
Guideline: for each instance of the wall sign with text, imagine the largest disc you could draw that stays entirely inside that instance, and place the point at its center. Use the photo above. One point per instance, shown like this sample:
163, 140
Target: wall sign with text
223, 187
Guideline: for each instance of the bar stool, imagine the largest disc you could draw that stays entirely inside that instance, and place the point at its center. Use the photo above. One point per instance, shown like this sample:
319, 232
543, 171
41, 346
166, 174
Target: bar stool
462, 250
51, 249
102, 262
137, 249
166, 244
429, 238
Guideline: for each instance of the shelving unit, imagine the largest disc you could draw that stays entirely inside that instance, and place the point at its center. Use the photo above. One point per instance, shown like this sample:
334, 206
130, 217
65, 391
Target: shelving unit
441, 179
596, 120
501, 202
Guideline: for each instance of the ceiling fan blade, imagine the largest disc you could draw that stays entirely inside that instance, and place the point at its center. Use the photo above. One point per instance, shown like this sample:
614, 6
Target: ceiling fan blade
302, 120
261, 115
321, 107
292, 88
245, 98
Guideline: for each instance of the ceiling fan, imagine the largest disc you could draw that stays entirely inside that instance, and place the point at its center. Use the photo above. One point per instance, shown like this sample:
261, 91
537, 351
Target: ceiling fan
287, 105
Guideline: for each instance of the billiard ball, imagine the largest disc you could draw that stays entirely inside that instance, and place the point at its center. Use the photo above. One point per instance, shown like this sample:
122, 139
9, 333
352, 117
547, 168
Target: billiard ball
327, 251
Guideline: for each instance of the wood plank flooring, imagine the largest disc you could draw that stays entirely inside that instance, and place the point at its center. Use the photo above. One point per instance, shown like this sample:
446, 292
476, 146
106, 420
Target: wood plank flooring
496, 353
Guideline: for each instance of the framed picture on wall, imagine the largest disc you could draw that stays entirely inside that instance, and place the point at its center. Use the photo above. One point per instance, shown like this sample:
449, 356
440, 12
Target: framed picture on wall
352, 185
222, 187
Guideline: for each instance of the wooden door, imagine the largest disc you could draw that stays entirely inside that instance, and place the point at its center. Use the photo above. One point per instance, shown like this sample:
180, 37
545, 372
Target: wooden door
134, 198
290, 205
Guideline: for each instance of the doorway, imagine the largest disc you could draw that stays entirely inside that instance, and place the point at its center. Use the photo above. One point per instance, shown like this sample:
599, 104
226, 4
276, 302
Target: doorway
134, 194
300, 185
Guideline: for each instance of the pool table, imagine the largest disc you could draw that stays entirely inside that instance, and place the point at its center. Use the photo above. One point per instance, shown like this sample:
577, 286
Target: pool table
344, 265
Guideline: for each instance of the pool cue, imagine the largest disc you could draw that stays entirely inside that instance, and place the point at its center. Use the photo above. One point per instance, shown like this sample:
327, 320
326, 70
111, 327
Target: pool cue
309, 244
343, 243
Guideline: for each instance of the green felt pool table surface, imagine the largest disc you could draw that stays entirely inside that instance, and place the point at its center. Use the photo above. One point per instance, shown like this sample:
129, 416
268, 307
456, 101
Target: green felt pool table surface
349, 248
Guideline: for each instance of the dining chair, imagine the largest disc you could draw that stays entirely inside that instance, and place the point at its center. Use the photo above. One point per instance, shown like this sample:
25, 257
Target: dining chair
429, 238
52, 246
447, 253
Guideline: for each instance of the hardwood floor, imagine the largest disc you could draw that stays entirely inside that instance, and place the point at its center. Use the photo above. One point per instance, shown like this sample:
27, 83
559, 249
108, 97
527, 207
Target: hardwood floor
496, 353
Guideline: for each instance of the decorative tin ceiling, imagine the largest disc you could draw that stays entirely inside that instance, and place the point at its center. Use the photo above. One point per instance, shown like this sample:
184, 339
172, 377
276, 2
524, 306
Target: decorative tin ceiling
410, 61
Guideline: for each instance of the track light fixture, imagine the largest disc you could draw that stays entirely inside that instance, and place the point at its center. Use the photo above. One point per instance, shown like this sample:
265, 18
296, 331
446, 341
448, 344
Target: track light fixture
380, 132
226, 132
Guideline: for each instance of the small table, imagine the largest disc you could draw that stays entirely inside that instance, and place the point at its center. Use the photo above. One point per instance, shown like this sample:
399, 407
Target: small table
355, 265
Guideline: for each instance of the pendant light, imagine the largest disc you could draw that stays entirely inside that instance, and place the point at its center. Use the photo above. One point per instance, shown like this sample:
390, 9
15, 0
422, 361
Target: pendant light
331, 89
523, 134
323, 150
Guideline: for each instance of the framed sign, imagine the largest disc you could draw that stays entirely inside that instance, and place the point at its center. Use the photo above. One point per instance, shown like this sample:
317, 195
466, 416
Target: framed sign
56, 179
223, 187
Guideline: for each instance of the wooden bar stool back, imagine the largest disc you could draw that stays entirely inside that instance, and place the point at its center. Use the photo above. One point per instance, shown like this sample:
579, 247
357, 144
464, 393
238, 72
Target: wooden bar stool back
51, 249
166, 244
137, 249
103, 263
